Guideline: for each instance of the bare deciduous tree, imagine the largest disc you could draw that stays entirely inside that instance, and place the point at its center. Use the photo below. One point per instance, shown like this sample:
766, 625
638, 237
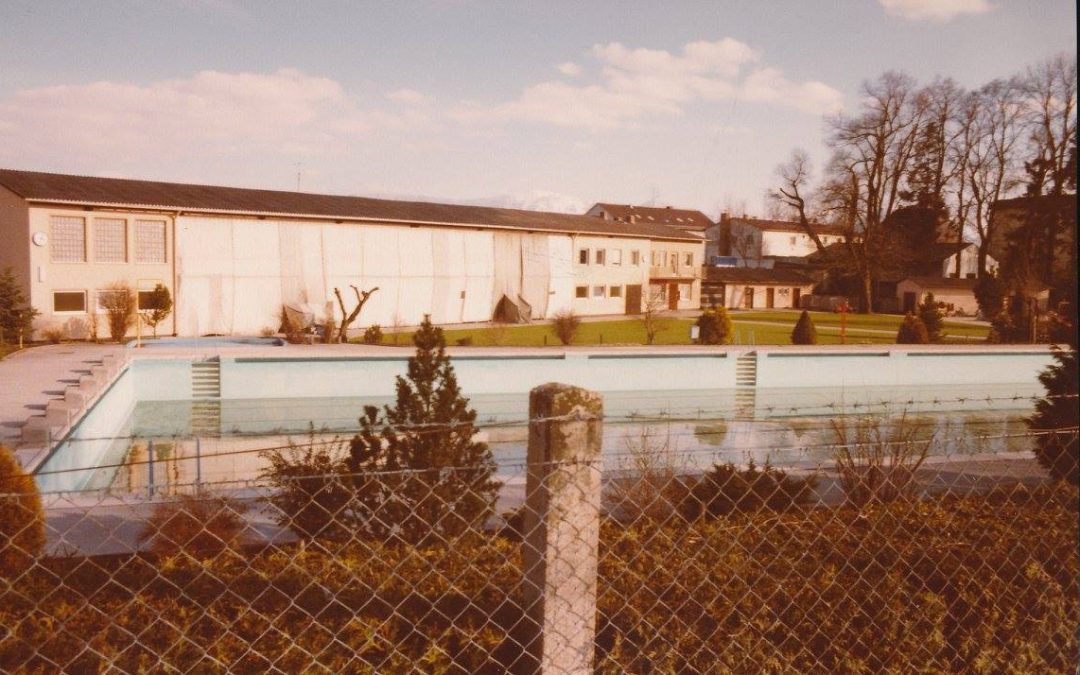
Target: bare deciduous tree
349, 317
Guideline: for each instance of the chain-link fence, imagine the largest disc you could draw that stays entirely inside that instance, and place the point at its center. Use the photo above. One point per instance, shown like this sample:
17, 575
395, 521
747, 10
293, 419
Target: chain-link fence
888, 550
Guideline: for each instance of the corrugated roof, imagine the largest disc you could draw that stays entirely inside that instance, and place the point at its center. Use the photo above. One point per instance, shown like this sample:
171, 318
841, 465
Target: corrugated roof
121, 192
687, 219
756, 275
789, 226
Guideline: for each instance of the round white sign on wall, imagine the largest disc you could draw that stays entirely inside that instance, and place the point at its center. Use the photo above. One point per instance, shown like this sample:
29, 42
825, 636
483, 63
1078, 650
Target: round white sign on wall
40, 238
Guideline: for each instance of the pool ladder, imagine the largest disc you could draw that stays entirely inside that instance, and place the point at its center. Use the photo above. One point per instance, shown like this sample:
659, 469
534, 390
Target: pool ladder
206, 397
746, 385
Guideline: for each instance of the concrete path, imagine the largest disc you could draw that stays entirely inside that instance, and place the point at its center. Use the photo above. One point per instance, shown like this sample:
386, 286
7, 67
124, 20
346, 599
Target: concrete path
32, 377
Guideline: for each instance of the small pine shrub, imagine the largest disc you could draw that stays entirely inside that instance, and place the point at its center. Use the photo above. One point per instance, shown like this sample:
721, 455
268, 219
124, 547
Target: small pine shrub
373, 335
201, 527
1058, 452
932, 317
466, 341
804, 332
566, 325
311, 497
726, 489
714, 327
912, 331
22, 520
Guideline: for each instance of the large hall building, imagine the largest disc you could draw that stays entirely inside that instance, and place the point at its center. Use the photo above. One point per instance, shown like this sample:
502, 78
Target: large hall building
232, 257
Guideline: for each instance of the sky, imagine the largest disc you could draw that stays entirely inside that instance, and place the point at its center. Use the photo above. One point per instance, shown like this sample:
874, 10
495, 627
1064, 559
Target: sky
549, 105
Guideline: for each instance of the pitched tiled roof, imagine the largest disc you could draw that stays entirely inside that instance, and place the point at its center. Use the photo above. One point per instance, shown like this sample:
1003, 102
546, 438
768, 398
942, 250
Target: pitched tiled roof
755, 275
943, 283
118, 192
681, 218
788, 226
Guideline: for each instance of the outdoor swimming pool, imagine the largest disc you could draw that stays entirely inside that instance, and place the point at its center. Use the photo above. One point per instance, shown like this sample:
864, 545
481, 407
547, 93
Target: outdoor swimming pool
697, 404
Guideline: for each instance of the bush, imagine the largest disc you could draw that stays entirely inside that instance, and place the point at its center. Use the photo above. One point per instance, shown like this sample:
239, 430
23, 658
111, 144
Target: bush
420, 474
912, 331
804, 332
877, 457
16, 314
648, 485
311, 497
931, 316
725, 490
201, 527
119, 302
22, 520
466, 341
293, 334
1058, 451
373, 335
54, 335
157, 307
714, 327
565, 325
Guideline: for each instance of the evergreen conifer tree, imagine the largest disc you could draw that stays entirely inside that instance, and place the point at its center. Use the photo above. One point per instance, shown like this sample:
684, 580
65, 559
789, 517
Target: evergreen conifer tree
16, 316
930, 315
421, 476
804, 332
1058, 452
912, 331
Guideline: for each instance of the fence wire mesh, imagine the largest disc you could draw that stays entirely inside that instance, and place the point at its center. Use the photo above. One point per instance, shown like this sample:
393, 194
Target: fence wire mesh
891, 550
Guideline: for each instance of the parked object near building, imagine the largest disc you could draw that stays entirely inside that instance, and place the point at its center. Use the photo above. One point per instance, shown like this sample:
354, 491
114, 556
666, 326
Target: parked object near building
232, 257
754, 288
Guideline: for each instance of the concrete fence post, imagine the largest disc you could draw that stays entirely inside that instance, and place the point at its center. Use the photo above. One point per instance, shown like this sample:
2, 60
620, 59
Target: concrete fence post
562, 526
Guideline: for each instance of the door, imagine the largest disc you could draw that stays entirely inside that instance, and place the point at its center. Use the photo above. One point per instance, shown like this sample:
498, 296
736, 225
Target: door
748, 297
770, 297
633, 299
909, 302
795, 292
673, 296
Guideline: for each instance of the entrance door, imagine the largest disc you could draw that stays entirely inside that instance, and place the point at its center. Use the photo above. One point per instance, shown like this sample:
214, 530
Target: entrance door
909, 302
673, 296
770, 297
795, 292
633, 299
748, 297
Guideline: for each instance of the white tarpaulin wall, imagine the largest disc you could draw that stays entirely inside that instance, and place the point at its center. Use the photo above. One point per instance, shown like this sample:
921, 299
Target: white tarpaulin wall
234, 274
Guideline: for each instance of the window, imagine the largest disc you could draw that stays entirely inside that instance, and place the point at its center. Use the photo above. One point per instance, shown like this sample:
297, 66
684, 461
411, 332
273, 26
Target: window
686, 291
583, 256
601, 255
793, 241
103, 296
688, 260
69, 301
598, 291
110, 240
150, 241
68, 237
615, 292
581, 292
635, 258
674, 257
616, 256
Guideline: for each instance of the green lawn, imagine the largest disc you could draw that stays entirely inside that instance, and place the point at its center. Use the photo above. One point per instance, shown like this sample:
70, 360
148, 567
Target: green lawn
7, 349
751, 327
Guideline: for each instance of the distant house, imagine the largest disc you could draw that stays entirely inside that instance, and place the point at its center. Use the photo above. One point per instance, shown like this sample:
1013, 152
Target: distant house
1042, 229
754, 287
687, 220
755, 238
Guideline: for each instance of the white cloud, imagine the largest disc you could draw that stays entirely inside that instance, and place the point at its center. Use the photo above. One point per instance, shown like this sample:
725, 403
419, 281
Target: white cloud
209, 114
934, 10
569, 68
636, 83
410, 96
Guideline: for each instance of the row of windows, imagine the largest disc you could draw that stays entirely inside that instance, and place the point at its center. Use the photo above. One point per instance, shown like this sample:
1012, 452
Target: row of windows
614, 256
686, 291
67, 240
825, 241
74, 302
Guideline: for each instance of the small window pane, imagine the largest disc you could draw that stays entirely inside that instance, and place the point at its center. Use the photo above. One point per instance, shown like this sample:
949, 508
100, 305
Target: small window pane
150, 241
600, 256
69, 301
583, 256
67, 235
110, 240
689, 260
598, 291
615, 292
616, 256
581, 292
635, 257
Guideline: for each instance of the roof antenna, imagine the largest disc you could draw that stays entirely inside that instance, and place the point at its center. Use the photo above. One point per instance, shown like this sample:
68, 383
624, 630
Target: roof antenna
298, 165
655, 194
